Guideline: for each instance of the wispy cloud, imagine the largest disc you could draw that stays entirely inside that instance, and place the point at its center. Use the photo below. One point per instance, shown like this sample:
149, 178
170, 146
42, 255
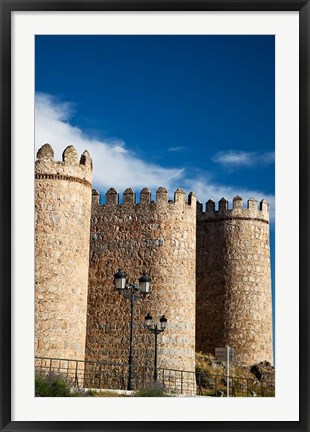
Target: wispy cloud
116, 166
176, 149
242, 159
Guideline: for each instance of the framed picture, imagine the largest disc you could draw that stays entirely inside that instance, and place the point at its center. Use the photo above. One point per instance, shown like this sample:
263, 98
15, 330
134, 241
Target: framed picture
237, 74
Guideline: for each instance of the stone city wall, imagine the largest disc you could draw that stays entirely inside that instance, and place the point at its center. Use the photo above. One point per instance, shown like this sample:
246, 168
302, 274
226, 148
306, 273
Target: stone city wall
218, 282
158, 237
233, 280
62, 226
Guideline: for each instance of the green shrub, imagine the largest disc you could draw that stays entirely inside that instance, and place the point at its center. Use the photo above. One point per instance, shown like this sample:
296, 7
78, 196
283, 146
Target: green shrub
52, 385
151, 390
92, 392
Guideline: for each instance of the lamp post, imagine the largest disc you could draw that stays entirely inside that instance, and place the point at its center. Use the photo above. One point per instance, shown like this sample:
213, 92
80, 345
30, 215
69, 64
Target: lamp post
133, 293
156, 329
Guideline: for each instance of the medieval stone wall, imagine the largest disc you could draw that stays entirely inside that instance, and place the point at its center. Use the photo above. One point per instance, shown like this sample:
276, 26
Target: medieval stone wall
62, 226
233, 280
154, 236
218, 281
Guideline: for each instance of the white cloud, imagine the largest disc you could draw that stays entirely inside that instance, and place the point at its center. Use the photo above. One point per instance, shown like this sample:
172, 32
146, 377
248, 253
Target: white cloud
114, 164
238, 158
176, 149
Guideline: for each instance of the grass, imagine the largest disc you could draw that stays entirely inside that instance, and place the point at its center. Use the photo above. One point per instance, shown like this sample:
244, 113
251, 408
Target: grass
55, 384
52, 385
58, 385
103, 393
151, 390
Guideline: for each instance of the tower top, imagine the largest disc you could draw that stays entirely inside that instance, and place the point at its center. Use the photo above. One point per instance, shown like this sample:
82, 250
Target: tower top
253, 210
70, 166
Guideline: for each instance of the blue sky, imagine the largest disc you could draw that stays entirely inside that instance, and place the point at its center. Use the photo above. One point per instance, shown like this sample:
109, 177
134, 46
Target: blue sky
177, 111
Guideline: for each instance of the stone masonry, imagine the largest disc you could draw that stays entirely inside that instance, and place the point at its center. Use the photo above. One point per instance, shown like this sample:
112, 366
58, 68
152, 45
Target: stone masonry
210, 271
233, 290
63, 204
158, 237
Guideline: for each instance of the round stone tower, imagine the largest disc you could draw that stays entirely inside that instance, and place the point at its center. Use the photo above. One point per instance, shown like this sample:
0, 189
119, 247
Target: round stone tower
234, 305
154, 236
62, 226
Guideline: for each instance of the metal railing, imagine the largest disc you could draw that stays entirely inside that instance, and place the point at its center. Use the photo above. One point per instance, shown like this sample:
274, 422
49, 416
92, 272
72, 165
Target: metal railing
216, 385
112, 375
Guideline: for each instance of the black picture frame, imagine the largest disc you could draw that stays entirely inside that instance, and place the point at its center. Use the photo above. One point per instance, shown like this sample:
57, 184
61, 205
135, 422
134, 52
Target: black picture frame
6, 8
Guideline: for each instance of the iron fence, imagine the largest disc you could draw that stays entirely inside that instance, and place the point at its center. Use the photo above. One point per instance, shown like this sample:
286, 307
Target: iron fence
114, 376
216, 385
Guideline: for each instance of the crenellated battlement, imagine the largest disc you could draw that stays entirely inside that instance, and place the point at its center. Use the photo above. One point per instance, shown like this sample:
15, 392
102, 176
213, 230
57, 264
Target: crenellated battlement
71, 168
253, 210
112, 198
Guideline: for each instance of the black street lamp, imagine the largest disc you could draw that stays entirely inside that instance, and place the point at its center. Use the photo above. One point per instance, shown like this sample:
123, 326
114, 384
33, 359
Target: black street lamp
156, 329
133, 293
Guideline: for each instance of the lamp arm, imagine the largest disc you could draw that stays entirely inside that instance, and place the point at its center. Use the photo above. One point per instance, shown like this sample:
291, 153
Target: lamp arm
133, 287
154, 329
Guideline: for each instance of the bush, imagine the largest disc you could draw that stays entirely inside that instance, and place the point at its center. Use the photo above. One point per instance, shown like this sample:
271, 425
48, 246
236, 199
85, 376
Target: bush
52, 385
153, 389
